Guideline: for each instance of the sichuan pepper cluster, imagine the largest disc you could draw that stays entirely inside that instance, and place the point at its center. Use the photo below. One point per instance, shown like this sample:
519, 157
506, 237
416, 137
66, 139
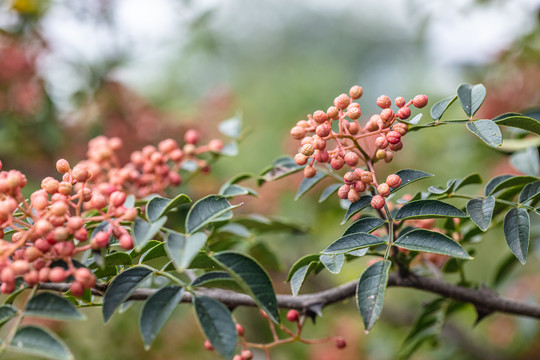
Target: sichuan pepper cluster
41, 236
340, 125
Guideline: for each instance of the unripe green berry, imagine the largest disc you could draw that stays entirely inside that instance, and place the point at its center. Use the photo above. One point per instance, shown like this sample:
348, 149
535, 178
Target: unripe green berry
384, 102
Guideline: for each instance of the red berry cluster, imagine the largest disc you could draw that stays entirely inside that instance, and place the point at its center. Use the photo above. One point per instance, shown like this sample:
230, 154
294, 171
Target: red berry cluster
384, 128
51, 227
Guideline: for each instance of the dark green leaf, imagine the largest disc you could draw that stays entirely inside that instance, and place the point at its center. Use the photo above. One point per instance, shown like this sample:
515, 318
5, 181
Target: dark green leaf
117, 258
506, 181
432, 242
329, 191
158, 206
156, 311
425, 209
262, 224
481, 211
365, 225
156, 252
305, 260
207, 210
261, 252
182, 250
519, 121
427, 328
333, 263
517, 232
231, 127
530, 191
409, 176
471, 97
438, 190
371, 290
236, 190
37, 341
250, 276
149, 245
217, 324
309, 183
280, 168
492, 184
51, 306
7, 312
356, 207
440, 107
487, 131
143, 231
300, 275
212, 278
352, 242
121, 288
504, 269
526, 161
468, 180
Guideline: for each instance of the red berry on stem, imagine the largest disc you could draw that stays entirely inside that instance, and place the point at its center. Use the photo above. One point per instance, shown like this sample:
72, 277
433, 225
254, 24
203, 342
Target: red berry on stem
356, 92
384, 102
400, 101
293, 315
394, 181
340, 343
377, 202
320, 116
342, 101
404, 113
420, 101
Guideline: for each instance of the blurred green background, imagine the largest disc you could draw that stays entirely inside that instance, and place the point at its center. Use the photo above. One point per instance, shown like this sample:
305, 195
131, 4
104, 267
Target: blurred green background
149, 70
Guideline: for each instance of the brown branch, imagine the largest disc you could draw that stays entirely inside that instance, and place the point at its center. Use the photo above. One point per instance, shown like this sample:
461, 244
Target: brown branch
482, 298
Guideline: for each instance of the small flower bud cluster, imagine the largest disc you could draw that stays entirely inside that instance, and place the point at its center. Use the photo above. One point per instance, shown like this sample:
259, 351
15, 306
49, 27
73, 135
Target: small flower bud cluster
384, 129
51, 227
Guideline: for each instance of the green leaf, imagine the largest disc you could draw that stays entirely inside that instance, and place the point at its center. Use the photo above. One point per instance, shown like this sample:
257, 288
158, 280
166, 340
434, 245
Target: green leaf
504, 269
300, 275
230, 149
526, 161
305, 260
51, 306
37, 341
309, 183
481, 211
530, 191
149, 245
333, 263
182, 250
365, 225
156, 311
439, 191
408, 176
217, 324
329, 191
143, 231
467, 180
415, 120
356, 207
431, 242
427, 209
252, 278
231, 127
352, 242
158, 206
517, 232
280, 168
206, 210
492, 184
117, 258
487, 131
471, 97
156, 252
215, 278
121, 288
7, 312
371, 290
440, 107
427, 328
507, 181
236, 190
519, 121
